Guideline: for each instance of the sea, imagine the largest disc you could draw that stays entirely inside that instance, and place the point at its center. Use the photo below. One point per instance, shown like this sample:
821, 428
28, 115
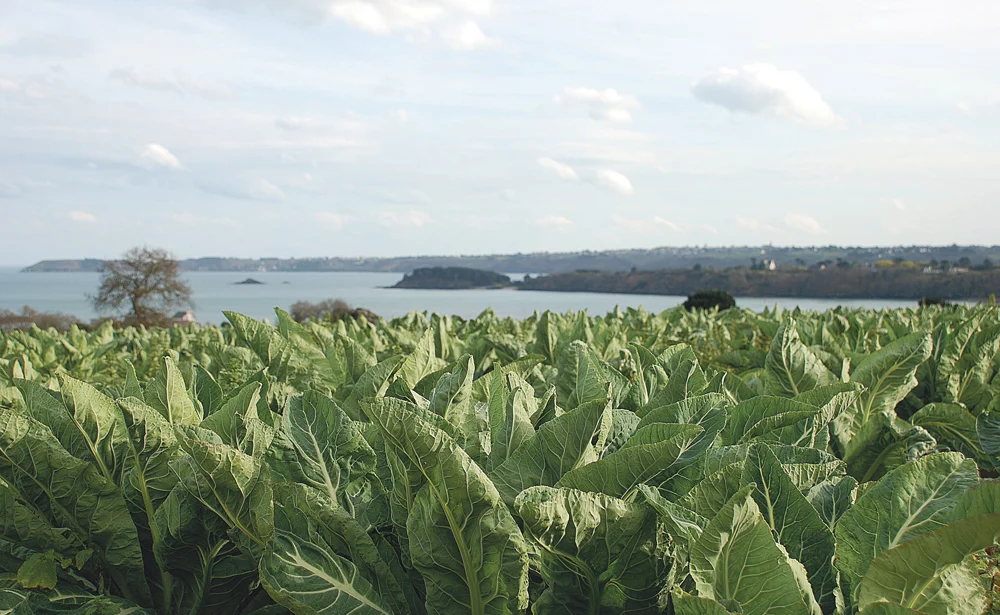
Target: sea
214, 292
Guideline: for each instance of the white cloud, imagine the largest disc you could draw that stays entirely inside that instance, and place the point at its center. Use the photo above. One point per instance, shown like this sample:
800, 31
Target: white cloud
7, 85
47, 45
562, 170
8, 190
607, 97
140, 79
615, 181
618, 115
468, 37
964, 108
181, 84
402, 115
330, 220
187, 218
156, 154
667, 223
341, 132
753, 224
804, 223
645, 225
899, 204
82, 216
251, 189
263, 190
373, 16
295, 122
559, 223
607, 104
763, 88
412, 218
204, 87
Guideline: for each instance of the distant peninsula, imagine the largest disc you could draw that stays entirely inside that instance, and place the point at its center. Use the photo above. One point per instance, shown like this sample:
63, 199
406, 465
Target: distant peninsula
249, 281
653, 259
452, 278
890, 281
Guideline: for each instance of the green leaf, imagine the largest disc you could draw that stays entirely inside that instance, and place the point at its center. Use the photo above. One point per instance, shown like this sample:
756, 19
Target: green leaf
582, 377
912, 499
239, 424
38, 572
623, 425
887, 608
373, 383
687, 380
883, 443
790, 368
765, 417
983, 499
646, 461
794, 522
317, 444
888, 375
168, 394
564, 443
931, 574
736, 559
26, 525
207, 391
683, 525
510, 411
209, 573
689, 410
686, 604
711, 493
597, 553
230, 483
832, 498
131, 387
452, 396
462, 537
322, 561
86, 423
277, 354
952, 426
421, 362
76, 496
147, 479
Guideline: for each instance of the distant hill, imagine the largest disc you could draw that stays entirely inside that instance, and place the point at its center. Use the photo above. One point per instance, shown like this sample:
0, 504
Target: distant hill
833, 283
452, 278
561, 262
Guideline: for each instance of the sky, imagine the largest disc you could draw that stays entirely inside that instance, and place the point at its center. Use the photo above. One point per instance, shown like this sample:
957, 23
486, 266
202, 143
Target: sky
297, 128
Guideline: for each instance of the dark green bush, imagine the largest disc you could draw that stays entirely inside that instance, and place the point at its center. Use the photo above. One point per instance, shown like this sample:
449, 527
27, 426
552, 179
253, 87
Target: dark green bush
708, 299
927, 301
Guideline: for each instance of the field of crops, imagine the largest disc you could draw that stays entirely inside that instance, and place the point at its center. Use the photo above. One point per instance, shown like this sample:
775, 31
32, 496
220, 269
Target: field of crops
693, 463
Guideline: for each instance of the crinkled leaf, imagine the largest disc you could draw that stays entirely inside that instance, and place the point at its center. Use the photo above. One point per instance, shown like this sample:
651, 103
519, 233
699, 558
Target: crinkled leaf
462, 537
597, 553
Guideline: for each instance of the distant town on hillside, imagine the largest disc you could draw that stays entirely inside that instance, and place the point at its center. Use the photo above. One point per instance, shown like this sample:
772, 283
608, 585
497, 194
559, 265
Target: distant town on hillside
606, 260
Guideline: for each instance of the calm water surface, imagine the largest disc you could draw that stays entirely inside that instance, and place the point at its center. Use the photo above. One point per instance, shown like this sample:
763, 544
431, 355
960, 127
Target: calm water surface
215, 292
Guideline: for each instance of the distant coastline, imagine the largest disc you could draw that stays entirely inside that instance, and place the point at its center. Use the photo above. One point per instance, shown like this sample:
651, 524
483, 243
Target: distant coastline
654, 259
837, 283
847, 282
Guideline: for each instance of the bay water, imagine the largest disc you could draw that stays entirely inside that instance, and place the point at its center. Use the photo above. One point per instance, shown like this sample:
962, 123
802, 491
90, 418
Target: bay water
214, 292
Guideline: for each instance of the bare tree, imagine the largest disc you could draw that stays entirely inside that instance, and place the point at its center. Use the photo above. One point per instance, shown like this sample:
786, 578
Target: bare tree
146, 281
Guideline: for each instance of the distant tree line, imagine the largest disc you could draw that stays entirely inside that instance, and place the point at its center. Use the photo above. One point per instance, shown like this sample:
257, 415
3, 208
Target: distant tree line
838, 282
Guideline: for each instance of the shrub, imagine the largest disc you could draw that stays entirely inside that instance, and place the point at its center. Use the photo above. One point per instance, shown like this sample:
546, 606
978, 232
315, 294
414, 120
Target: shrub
927, 301
329, 309
29, 316
708, 299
